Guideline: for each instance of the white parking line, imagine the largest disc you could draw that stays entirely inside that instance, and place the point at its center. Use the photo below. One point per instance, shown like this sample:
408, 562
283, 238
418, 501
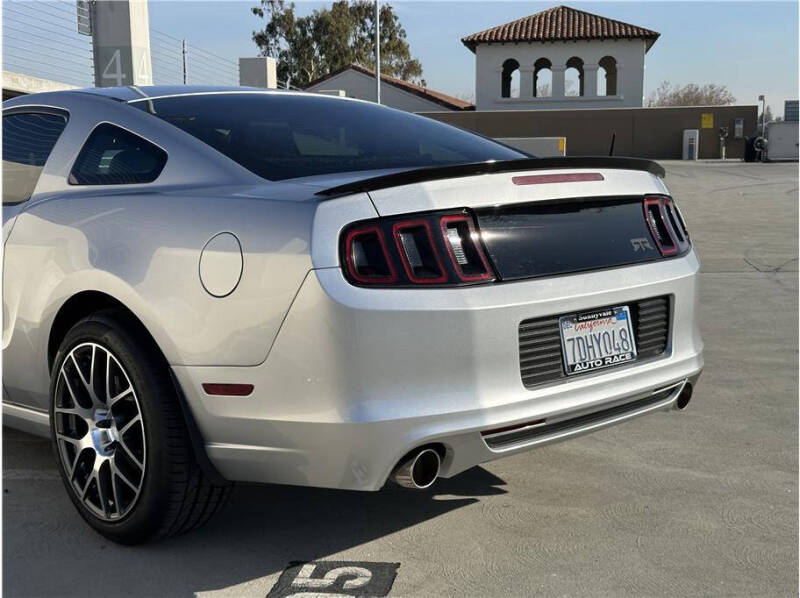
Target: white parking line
36, 475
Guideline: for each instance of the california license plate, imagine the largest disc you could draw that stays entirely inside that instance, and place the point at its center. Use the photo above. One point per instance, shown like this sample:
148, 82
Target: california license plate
597, 339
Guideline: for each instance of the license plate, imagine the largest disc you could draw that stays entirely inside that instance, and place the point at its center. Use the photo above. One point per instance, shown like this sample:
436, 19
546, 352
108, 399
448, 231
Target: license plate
597, 339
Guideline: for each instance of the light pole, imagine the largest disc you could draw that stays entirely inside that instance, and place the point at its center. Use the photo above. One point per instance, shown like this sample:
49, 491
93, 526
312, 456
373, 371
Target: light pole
185, 70
763, 101
378, 51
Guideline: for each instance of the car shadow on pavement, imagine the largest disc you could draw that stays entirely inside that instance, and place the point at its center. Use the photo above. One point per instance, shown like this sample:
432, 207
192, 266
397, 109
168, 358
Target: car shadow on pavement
262, 530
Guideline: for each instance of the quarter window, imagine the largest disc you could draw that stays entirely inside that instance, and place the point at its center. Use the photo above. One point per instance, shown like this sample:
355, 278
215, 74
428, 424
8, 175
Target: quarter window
114, 156
28, 139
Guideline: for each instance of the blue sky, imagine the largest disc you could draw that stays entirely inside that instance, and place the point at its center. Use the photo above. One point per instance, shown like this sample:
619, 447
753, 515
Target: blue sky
752, 47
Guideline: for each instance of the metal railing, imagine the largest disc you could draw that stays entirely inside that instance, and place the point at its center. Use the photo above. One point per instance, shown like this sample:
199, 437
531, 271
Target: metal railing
41, 39
177, 62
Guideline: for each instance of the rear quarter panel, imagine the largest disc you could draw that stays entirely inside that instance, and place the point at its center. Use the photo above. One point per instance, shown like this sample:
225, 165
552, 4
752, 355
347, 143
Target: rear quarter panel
143, 249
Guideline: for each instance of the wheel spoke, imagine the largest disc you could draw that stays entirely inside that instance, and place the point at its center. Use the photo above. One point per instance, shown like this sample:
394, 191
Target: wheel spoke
122, 477
78, 369
130, 454
101, 494
119, 396
127, 426
70, 439
117, 504
69, 388
77, 445
86, 486
91, 367
76, 410
108, 379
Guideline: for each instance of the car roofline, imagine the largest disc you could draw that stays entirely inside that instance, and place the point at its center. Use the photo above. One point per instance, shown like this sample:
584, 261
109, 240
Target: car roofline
241, 92
143, 97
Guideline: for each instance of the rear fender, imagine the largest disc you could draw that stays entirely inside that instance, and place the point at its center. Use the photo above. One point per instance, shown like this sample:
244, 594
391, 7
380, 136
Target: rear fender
329, 219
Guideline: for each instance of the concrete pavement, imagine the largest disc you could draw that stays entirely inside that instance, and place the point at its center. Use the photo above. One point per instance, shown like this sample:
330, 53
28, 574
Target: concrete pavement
696, 503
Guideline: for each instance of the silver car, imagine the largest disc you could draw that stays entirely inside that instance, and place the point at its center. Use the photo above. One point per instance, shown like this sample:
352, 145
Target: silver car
207, 285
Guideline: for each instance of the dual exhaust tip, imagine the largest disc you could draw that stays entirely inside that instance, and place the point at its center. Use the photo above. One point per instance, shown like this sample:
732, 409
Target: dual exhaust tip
684, 397
418, 470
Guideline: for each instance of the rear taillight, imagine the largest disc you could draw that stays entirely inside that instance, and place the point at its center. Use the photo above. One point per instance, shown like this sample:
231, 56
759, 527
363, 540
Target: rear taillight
368, 260
465, 248
428, 249
666, 225
417, 251
677, 224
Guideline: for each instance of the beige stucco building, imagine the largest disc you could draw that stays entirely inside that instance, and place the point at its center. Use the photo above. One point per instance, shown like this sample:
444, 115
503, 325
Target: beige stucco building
560, 58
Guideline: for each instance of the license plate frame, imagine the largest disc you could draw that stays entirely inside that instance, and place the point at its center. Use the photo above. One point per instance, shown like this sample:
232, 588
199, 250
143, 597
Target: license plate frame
609, 329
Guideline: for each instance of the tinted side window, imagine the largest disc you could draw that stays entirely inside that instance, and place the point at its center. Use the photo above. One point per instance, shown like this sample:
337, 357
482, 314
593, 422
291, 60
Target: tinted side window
28, 140
114, 156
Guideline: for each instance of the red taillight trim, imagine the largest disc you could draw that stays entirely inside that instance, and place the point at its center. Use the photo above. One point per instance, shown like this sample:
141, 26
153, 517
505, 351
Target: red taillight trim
443, 222
398, 272
403, 224
228, 389
348, 250
674, 221
541, 179
659, 202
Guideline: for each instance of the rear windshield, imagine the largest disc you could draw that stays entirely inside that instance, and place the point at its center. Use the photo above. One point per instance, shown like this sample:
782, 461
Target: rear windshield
283, 135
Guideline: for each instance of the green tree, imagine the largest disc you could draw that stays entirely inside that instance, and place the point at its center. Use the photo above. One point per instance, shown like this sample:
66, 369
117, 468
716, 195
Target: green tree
769, 118
310, 47
691, 95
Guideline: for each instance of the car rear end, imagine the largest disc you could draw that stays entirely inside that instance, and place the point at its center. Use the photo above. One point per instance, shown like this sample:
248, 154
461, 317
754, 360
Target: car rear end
477, 315
464, 297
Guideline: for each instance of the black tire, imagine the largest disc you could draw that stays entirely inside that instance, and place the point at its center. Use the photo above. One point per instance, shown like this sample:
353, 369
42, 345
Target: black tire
174, 495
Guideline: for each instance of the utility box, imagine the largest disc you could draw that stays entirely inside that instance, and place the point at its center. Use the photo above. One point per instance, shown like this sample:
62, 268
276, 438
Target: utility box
259, 71
691, 144
782, 141
541, 147
337, 93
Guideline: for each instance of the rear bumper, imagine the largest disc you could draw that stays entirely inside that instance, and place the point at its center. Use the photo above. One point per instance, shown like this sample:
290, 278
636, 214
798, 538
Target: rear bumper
358, 377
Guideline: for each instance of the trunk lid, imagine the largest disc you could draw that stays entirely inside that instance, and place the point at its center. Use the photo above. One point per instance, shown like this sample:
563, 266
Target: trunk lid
548, 238
500, 189
544, 222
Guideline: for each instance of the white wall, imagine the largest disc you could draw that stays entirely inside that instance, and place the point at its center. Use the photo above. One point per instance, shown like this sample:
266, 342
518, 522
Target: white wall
489, 59
18, 83
360, 86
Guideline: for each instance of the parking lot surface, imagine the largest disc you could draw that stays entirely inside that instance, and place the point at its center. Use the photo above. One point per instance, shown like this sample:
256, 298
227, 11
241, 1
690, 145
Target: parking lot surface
702, 502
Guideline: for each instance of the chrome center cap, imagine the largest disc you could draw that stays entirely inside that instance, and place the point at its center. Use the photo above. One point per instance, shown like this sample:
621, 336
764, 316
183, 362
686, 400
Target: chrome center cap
104, 433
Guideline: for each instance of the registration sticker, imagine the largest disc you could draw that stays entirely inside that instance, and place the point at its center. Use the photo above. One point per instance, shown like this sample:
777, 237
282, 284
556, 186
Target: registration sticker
597, 339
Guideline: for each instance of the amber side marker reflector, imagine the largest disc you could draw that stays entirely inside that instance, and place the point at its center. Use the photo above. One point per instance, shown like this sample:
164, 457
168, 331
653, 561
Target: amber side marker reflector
540, 179
535, 422
228, 390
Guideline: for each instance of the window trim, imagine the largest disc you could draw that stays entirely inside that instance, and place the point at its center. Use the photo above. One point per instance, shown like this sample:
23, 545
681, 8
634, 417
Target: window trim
38, 109
127, 130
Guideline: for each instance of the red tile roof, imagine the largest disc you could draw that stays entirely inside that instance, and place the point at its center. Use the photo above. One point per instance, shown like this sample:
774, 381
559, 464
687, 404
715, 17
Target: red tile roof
418, 90
560, 23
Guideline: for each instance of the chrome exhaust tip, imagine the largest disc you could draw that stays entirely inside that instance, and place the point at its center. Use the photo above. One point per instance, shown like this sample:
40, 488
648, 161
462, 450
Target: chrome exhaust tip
419, 470
684, 397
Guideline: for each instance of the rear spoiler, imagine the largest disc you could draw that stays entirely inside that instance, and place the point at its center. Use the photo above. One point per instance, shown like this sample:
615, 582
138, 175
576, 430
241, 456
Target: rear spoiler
418, 175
